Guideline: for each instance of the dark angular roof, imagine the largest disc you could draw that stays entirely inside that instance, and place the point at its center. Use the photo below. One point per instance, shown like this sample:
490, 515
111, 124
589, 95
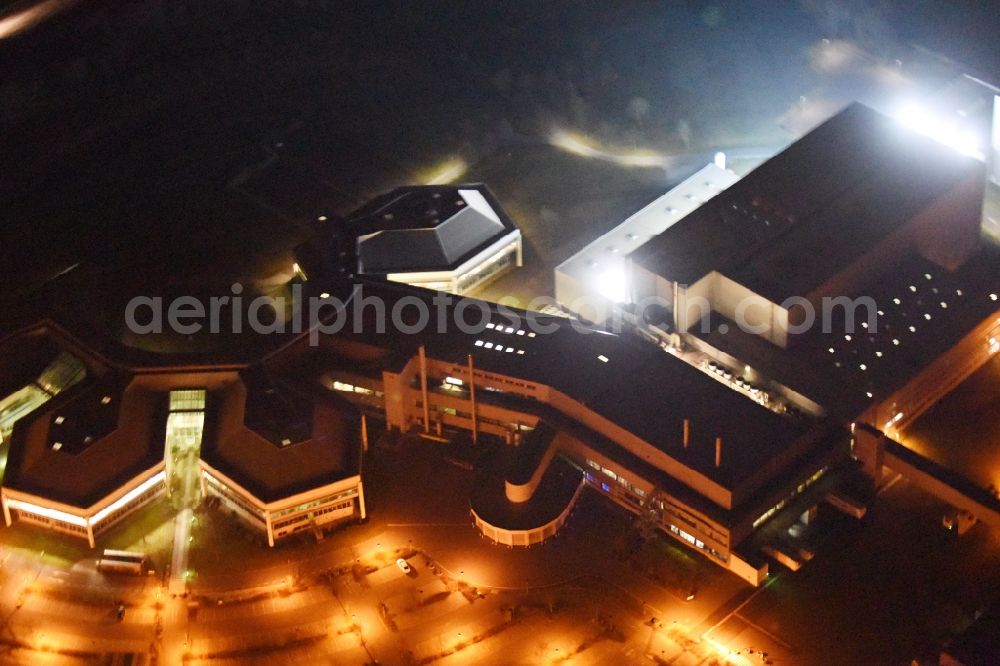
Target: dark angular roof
248, 445
425, 228
81, 472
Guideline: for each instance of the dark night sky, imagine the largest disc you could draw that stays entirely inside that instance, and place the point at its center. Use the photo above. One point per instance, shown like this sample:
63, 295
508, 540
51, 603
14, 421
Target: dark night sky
122, 123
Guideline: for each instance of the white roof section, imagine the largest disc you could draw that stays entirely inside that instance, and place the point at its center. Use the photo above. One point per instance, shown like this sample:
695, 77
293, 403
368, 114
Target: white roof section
598, 269
478, 202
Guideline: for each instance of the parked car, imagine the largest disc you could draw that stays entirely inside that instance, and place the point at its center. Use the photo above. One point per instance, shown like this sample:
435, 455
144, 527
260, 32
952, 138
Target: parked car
404, 566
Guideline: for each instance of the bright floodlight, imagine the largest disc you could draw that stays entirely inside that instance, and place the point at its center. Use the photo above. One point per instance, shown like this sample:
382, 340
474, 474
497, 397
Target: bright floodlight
612, 285
923, 122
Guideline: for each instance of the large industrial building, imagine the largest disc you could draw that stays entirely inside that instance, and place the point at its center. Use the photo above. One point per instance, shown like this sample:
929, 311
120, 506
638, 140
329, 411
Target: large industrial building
593, 282
846, 204
706, 430
632, 421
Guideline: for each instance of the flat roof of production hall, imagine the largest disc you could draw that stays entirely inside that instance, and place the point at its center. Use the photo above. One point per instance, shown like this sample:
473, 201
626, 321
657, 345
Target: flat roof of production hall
632, 383
604, 258
922, 311
810, 211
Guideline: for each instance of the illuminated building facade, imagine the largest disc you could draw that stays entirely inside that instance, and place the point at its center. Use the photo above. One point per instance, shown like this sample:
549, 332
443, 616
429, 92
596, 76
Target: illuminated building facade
831, 214
593, 282
106, 442
87, 460
283, 462
705, 460
707, 451
442, 237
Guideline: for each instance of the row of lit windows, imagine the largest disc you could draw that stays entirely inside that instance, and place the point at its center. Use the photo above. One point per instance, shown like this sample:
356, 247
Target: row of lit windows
312, 515
224, 491
620, 479
121, 511
667, 507
781, 505
353, 388
637, 502
54, 523
697, 543
352, 492
187, 400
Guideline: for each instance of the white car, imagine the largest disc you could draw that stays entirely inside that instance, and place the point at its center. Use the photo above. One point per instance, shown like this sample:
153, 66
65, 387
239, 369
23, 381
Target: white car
404, 566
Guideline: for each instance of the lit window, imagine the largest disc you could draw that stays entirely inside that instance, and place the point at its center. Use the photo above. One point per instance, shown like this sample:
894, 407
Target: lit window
993, 297
508, 330
454, 380
869, 394
286, 441
847, 337
958, 292
520, 351
106, 400
510, 349
187, 400
895, 342
325, 294
59, 420
831, 350
927, 316
863, 366
489, 345
489, 325
479, 343
56, 446
602, 358
913, 329
531, 335
878, 354
927, 275
944, 306
520, 332
913, 289
896, 301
